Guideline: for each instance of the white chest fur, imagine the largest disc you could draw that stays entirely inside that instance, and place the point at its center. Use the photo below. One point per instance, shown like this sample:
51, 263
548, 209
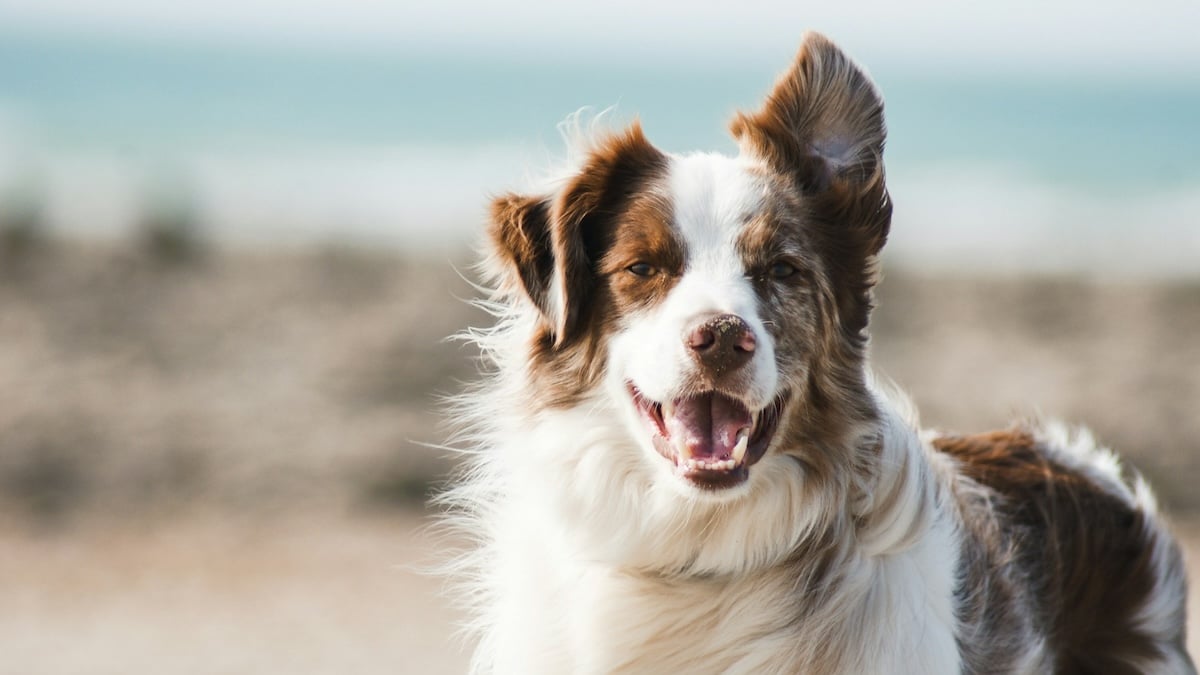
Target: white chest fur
559, 614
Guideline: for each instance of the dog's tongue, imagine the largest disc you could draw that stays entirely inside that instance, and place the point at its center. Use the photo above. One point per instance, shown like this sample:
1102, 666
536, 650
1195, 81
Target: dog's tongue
706, 426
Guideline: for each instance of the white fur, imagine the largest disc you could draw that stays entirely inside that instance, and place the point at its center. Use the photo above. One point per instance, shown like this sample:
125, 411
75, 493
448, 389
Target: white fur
1075, 447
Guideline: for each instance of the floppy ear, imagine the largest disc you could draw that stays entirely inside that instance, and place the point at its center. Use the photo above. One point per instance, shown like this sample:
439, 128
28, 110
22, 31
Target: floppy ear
822, 125
520, 236
550, 246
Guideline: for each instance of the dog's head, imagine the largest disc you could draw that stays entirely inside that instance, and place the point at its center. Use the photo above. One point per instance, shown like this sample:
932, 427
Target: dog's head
720, 302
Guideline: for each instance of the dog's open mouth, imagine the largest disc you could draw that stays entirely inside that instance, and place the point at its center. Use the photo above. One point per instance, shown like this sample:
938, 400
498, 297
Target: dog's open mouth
712, 438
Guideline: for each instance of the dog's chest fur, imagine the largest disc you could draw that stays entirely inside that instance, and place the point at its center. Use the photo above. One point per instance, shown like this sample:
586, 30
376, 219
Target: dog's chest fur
825, 605
575, 616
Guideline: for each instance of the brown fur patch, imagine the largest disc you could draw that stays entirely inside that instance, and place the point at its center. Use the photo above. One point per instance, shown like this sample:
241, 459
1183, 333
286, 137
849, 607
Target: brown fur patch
822, 122
519, 232
1082, 554
587, 214
645, 235
573, 238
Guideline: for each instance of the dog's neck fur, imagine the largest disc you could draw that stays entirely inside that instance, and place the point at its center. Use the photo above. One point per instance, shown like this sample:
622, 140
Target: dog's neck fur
830, 580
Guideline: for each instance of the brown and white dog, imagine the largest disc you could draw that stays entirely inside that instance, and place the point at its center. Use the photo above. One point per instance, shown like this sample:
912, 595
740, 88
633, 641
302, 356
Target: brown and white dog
681, 464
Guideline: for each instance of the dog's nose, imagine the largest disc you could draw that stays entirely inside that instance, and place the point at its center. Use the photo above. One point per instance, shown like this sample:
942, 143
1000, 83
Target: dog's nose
721, 343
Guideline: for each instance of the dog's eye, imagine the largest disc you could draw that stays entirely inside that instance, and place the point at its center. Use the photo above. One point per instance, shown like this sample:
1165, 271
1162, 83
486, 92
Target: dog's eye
782, 270
642, 269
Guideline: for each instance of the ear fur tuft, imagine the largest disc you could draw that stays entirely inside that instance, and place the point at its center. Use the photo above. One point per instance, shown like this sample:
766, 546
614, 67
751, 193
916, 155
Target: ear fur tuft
822, 121
520, 235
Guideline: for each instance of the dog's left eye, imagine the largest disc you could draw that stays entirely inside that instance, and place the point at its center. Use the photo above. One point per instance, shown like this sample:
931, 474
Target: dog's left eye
782, 270
642, 269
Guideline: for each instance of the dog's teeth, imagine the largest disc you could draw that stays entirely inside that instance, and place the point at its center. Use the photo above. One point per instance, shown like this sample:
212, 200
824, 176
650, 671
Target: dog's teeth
668, 410
693, 464
739, 450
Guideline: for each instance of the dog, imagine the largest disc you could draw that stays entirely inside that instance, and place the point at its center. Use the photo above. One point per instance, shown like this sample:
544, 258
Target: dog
680, 462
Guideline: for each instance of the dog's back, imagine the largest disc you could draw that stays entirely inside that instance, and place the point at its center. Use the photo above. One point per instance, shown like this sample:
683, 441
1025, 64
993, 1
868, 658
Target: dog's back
1060, 540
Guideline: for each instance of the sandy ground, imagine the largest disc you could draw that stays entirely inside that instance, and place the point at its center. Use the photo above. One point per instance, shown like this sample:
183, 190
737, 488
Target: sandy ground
204, 595
323, 595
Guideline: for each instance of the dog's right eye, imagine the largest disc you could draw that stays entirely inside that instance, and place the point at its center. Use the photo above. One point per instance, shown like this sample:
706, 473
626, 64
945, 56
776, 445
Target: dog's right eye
642, 269
782, 270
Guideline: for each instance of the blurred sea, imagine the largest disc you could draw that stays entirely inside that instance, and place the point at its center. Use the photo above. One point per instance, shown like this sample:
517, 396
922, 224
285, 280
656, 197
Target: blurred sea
1004, 171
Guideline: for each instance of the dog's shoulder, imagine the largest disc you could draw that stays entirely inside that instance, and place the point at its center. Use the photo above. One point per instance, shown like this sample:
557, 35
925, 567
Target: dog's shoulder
1063, 514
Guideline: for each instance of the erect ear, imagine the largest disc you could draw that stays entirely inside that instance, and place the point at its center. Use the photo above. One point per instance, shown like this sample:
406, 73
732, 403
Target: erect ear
822, 124
822, 127
550, 245
823, 121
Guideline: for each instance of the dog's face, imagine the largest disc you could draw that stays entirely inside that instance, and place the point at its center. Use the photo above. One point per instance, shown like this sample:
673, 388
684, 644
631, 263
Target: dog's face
720, 303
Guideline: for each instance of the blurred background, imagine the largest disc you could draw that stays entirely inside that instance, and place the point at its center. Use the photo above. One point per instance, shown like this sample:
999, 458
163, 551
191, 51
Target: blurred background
234, 235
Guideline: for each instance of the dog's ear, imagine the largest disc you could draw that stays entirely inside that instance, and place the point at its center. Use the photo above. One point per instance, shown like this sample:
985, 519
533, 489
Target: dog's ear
552, 244
822, 125
822, 122
520, 236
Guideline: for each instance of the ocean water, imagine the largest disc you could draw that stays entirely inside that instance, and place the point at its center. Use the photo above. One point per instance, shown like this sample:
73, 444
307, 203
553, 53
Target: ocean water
1008, 170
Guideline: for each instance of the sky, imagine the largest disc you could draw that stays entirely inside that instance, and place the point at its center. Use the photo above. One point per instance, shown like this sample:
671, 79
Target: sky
972, 141
1087, 35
